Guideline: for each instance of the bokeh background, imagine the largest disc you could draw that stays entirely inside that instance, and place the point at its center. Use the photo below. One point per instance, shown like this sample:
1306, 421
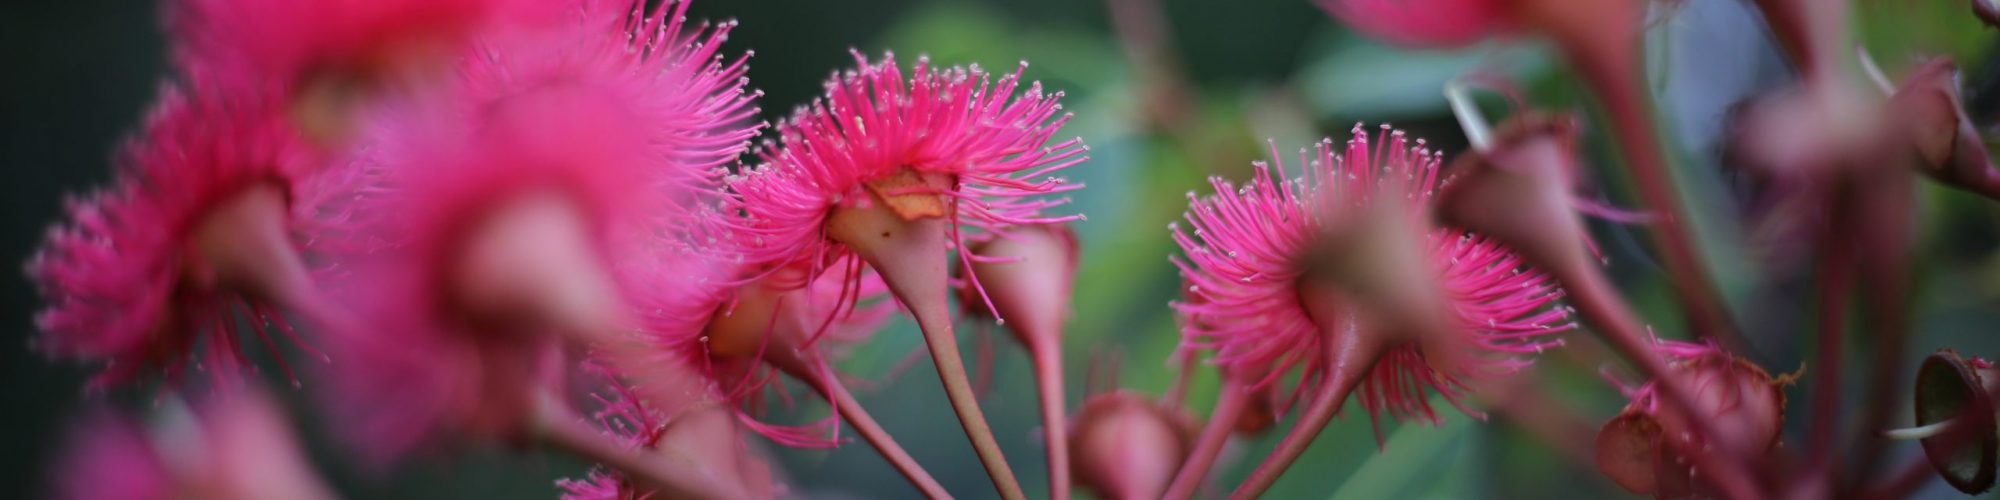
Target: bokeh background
1166, 92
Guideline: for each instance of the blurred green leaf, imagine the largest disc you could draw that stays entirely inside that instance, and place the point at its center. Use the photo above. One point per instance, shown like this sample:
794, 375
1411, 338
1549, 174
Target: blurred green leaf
1420, 462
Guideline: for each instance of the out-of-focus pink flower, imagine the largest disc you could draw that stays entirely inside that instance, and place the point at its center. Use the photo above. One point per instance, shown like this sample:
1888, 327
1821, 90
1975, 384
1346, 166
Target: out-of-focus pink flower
193, 234
696, 437
714, 327
1424, 23
286, 41
111, 457
238, 447
327, 57
476, 236
1644, 448
742, 336
940, 143
1249, 247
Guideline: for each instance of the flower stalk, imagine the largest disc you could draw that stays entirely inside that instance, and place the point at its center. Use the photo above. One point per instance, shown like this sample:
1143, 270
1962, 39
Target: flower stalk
909, 253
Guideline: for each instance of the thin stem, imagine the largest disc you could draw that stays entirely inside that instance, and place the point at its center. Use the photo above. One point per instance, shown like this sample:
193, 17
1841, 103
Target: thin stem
1600, 306
1478, 130
562, 429
910, 257
1877, 219
1351, 355
1919, 432
1221, 422
1835, 280
822, 378
936, 326
1055, 418
1615, 76
864, 424
1873, 71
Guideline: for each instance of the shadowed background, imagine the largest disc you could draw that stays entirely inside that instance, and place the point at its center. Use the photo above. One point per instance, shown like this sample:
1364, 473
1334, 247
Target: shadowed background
1225, 77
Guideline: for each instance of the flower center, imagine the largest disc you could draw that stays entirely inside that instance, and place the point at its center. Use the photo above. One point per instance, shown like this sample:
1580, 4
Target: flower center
912, 195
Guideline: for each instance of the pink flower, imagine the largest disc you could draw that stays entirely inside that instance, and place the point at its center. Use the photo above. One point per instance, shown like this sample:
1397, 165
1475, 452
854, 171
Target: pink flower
327, 57
715, 328
716, 443
1333, 272
741, 337
238, 447
1425, 23
1250, 247
477, 238
980, 149
192, 235
888, 170
111, 457
285, 41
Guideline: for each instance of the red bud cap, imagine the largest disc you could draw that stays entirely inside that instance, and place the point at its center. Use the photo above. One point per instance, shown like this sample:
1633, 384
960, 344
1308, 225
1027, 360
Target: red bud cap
1945, 139
1519, 192
1027, 273
1127, 446
1952, 387
1646, 449
1987, 11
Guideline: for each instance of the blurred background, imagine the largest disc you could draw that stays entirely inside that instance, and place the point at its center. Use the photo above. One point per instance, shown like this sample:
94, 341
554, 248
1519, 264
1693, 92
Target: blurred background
1166, 92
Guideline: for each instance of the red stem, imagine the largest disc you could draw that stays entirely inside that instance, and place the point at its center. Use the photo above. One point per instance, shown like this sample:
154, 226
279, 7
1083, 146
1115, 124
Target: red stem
936, 326
822, 378
1913, 475
1221, 423
910, 256
1351, 355
1836, 280
855, 415
1614, 74
1055, 419
1880, 211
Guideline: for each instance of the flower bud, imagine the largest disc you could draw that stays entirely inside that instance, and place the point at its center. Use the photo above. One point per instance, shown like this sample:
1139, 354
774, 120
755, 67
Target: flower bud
1031, 288
1949, 146
1519, 193
1127, 446
1647, 448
